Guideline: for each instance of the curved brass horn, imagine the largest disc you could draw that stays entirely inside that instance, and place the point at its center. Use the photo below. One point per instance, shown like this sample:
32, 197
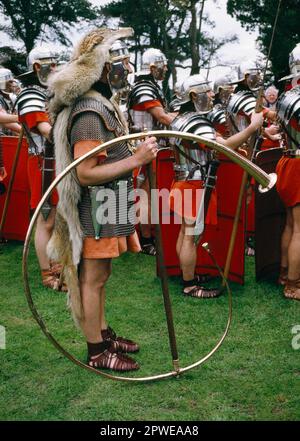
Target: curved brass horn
266, 181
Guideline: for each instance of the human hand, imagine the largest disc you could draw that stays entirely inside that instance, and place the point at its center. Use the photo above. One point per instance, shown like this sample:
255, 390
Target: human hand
146, 151
272, 132
257, 120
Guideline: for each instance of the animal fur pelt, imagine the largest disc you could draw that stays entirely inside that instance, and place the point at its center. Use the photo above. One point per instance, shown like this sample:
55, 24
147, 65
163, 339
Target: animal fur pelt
73, 81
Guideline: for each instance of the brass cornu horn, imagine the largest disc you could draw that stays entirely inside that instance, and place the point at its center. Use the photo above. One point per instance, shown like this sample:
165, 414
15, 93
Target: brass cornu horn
266, 181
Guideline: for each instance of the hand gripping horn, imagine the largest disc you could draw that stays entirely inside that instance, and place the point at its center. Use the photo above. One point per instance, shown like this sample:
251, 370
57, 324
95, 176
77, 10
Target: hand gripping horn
266, 183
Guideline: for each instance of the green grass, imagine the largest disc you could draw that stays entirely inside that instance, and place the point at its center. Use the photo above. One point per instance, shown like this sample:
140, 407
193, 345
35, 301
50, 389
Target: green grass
254, 376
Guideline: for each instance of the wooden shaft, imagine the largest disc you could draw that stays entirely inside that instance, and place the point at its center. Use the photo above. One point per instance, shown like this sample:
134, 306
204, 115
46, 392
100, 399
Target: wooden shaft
235, 226
163, 273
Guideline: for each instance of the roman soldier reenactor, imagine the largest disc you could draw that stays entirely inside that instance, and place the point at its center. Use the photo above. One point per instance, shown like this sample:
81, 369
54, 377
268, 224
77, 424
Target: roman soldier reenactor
31, 105
86, 115
8, 121
195, 173
288, 183
147, 110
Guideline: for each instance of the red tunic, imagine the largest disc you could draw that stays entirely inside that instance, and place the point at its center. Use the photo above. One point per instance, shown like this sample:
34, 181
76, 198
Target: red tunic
288, 178
35, 163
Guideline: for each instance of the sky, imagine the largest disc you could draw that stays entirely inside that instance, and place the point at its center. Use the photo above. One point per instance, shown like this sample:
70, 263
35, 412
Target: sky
234, 53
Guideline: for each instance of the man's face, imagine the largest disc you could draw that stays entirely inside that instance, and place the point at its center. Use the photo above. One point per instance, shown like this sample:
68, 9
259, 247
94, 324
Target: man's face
225, 93
204, 101
44, 69
253, 80
159, 71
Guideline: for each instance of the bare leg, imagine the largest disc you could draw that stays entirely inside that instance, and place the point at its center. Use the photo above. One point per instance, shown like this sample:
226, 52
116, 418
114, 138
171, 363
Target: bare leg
187, 253
145, 207
294, 246
94, 273
42, 236
179, 240
286, 238
102, 305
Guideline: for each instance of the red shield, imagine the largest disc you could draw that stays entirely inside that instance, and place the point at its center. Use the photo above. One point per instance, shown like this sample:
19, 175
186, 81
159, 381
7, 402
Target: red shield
18, 214
218, 236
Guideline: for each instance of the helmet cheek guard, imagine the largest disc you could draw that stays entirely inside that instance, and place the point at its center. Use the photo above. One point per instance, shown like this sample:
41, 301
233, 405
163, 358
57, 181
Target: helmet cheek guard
203, 102
253, 80
46, 67
118, 73
117, 76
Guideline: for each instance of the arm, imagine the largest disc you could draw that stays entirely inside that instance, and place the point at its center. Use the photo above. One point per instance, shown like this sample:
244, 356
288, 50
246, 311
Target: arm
7, 118
14, 127
44, 128
161, 115
89, 172
239, 138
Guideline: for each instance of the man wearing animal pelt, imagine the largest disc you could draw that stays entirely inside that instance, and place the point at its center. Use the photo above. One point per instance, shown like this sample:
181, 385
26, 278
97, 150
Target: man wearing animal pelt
85, 115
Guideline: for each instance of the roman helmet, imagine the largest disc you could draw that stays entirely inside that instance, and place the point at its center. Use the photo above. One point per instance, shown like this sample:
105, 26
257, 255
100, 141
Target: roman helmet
199, 86
154, 58
250, 72
41, 60
294, 64
224, 86
5, 76
118, 73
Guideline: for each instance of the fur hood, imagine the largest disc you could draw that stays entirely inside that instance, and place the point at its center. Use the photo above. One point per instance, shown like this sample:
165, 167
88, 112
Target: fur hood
84, 68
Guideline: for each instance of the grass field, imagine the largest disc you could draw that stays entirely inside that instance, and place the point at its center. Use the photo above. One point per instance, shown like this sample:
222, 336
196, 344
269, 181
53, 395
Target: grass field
254, 376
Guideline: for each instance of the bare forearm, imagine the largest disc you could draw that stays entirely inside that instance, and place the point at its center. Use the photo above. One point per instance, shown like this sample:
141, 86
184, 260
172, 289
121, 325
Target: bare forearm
161, 115
237, 139
100, 174
7, 118
13, 126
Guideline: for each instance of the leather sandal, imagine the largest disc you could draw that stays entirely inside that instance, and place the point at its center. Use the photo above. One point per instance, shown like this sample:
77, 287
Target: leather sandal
292, 289
203, 278
119, 343
148, 248
110, 359
202, 293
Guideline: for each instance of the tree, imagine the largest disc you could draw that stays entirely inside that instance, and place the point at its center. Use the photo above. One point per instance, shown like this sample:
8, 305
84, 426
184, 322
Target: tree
261, 15
174, 26
27, 20
13, 59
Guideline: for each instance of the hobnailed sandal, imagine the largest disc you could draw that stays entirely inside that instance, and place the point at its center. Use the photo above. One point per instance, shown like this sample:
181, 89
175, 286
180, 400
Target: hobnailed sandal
202, 293
149, 248
119, 343
110, 359
292, 289
203, 278
283, 275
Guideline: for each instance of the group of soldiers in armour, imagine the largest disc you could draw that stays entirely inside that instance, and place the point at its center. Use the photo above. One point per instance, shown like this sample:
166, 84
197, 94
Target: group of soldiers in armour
66, 111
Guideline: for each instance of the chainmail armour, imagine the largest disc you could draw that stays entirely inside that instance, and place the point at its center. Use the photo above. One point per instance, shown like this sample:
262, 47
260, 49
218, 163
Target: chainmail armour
92, 120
